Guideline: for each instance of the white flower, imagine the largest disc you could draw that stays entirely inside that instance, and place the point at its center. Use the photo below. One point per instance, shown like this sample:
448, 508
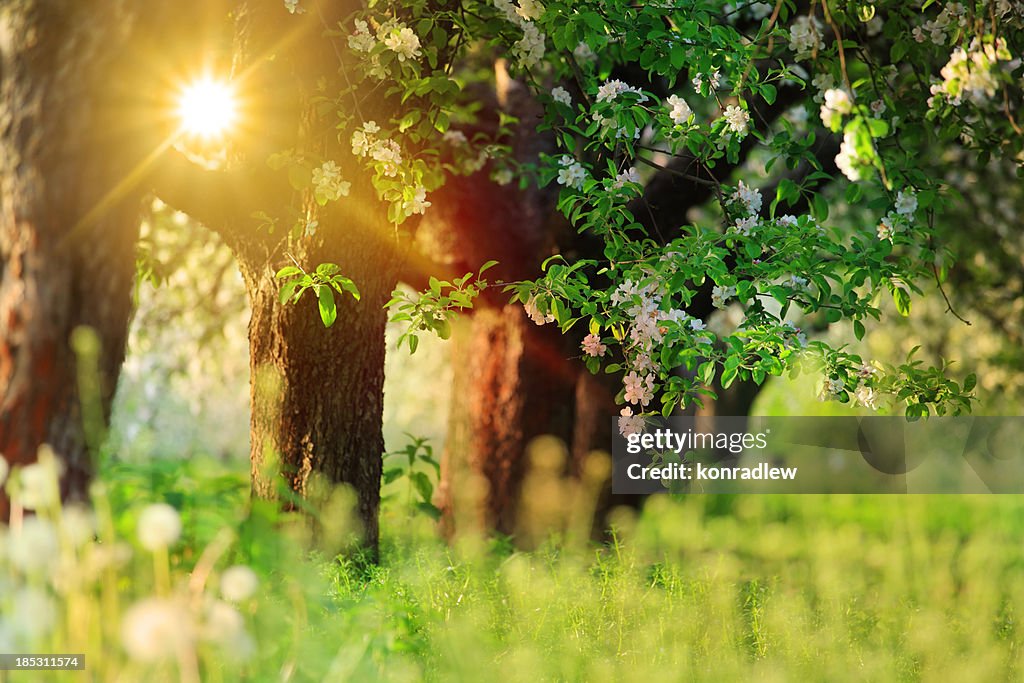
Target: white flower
584, 53
679, 110
697, 325
592, 346
158, 526
878, 108
572, 175
388, 155
836, 105
866, 396
418, 203
504, 176
746, 225
530, 9
404, 42
292, 6
638, 389
886, 227
560, 94
530, 48
630, 175
805, 37
328, 183
77, 524
737, 118
609, 90
238, 583
713, 81
852, 166
787, 221
906, 203
533, 311
823, 83
797, 282
362, 40
155, 629
834, 386
748, 197
630, 423
720, 294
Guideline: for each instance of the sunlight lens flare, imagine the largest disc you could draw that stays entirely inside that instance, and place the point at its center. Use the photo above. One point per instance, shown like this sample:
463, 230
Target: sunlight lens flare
207, 107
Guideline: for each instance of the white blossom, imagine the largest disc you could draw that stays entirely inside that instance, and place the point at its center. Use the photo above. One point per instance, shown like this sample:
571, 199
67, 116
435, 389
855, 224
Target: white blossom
906, 203
362, 40
404, 42
737, 118
572, 173
836, 105
630, 423
584, 53
33, 546
720, 294
866, 396
747, 197
609, 90
592, 346
805, 37
530, 10
630, 175
638, 389
679, 110
560, 94
418, 203
327, 182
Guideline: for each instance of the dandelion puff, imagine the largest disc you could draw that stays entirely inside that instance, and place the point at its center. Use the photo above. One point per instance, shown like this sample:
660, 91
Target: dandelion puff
238, 583
155, 629
158, 527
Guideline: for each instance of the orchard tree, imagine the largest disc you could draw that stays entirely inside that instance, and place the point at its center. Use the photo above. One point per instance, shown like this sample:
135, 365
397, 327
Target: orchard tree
890, 115
351, 109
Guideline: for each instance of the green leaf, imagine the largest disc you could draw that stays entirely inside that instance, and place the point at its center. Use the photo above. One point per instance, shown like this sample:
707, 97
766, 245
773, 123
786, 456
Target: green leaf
328, 308
902, 300
287, 271
423, 486
287, 291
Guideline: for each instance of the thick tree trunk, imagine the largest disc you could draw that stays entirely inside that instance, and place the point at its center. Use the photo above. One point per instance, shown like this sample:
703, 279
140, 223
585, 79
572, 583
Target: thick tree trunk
318, 393
511, 385
68, 224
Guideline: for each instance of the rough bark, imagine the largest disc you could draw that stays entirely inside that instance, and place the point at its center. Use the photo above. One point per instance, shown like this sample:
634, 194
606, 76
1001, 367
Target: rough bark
318, 393
68, 222
512, 385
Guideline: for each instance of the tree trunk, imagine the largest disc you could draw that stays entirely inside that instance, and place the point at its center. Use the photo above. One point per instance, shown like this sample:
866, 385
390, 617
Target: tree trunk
511, 385
318, 393
68, 225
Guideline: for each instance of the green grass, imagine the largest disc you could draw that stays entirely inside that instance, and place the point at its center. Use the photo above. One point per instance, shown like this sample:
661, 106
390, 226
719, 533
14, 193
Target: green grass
716, 588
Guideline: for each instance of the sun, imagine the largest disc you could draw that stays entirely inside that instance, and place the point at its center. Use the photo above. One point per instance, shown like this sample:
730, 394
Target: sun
207, 107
